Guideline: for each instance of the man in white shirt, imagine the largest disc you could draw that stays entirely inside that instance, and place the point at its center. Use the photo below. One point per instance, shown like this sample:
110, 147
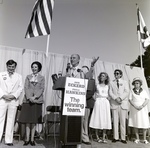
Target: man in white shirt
74, 70
10, 89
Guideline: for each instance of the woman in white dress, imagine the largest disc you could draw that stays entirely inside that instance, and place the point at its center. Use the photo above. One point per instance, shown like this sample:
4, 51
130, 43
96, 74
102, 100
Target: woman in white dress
101, 117
138, 113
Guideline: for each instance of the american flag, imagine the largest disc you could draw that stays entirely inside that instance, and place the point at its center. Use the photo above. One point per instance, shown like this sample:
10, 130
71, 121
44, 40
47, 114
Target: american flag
41, 19
143, 34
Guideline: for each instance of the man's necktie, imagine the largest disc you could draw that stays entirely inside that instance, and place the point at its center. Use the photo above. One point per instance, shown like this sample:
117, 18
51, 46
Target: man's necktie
118, 83
73, 74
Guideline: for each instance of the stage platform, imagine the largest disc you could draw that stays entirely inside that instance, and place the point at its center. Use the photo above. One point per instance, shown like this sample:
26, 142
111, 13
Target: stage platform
51, 143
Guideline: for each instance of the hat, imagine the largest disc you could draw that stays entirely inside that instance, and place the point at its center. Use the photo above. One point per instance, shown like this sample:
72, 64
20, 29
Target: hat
137, 79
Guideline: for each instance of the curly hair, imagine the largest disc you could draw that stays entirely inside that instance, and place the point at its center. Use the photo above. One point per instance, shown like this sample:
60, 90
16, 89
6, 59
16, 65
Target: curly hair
107, 78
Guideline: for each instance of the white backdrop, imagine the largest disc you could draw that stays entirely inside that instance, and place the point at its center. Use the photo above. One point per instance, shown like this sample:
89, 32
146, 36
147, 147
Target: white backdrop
57, 62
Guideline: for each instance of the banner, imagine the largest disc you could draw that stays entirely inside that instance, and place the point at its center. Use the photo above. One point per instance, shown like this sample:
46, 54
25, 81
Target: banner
75, 97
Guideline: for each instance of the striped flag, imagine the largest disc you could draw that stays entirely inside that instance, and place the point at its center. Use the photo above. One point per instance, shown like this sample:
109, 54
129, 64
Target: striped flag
41, 19
143, 34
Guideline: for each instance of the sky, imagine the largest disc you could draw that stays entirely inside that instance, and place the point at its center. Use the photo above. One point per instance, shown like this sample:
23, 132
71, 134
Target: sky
91, 28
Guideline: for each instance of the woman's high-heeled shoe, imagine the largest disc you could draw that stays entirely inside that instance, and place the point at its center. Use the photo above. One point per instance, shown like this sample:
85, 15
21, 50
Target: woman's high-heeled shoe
137, 141
32, 143
145, 141
26, 143
104, 141
98, 140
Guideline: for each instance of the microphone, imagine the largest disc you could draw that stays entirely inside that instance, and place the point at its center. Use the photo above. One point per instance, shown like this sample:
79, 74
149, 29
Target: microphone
59, 74
54, 78
68, 67
79, 70
81, 73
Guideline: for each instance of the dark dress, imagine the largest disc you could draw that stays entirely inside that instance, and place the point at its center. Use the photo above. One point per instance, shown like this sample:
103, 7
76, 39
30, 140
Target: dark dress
32, 112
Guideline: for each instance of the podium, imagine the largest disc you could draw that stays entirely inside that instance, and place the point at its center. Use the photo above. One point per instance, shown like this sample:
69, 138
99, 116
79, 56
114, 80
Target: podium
71, 126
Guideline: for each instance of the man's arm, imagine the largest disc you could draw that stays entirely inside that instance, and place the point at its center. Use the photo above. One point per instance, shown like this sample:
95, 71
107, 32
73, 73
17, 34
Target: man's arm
1, 90
125, 94
89, 74
111, 93
94, 61
20, 88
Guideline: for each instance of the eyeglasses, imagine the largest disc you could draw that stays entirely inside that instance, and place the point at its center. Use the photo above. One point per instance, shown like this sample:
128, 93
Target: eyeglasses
116, 73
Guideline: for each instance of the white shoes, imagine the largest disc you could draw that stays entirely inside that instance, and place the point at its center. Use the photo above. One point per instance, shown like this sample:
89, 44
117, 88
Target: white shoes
145, 142
137, 141
104, 141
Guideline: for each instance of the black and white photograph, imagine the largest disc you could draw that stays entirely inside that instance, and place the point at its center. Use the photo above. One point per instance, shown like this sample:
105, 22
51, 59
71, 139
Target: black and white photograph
75, 73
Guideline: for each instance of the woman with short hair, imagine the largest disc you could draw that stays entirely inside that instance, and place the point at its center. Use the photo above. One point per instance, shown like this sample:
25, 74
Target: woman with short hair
138, 113
31, 112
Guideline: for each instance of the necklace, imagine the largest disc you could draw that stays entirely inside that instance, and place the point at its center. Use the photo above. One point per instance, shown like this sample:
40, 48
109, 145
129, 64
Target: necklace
137, 91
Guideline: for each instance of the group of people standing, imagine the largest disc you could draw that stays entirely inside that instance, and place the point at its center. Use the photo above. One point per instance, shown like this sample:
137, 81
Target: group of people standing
110, 108
116, 106
114, 97
11, 87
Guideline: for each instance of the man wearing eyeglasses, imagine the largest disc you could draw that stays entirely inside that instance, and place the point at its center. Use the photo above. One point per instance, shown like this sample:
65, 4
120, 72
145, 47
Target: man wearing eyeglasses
119, 91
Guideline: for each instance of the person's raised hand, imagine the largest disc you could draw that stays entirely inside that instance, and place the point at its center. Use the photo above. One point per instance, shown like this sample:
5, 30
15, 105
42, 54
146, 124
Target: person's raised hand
94, 61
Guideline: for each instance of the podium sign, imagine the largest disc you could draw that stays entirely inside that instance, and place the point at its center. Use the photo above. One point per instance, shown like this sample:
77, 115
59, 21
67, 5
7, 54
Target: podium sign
71, 125
75, 97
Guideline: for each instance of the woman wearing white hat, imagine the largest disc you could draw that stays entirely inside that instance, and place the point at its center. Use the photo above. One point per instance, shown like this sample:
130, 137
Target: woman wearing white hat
138, 115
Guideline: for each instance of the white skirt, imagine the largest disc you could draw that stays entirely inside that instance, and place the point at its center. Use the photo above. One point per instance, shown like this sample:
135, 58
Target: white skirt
101, 117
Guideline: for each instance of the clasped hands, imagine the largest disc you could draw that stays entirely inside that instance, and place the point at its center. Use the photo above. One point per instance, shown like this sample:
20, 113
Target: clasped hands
118, 100
8, 97
138, 107
33, 99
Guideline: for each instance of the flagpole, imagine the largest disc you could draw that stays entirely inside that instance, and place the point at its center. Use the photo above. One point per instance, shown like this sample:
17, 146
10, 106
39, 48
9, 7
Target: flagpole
140, 44
47, 45
141, 59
